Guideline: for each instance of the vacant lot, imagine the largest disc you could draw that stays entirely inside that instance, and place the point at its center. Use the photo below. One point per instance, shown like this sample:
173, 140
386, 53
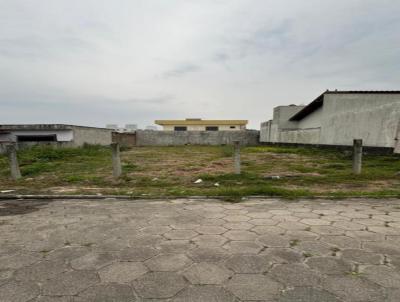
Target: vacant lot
156, 171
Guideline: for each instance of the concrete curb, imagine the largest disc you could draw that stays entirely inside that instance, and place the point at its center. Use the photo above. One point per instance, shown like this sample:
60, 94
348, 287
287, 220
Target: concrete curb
122, 197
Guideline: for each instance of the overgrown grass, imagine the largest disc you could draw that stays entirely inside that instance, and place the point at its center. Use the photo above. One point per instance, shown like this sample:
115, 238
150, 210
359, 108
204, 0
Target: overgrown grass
288, 172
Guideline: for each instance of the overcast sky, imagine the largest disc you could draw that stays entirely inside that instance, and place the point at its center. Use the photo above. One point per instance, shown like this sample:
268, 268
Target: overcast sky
94, 62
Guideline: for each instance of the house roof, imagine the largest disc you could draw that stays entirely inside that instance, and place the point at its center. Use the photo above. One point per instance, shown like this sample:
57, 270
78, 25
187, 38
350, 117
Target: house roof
200, 122
9, 127
319, 101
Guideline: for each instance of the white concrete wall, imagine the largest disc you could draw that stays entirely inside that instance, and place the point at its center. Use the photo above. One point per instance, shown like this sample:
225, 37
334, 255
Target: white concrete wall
374, 118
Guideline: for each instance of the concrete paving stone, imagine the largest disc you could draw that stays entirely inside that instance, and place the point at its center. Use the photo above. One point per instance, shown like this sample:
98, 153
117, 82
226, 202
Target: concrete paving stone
325, 212
314, 222
146, 240
254, 287
394, 225
137, 253
243, 247
184, 226
307, 215
393, 294
386, 218
348, 226
263, 229
215, 254
109, 292
180, 234
351, 214
175, 246
280, 212
393, 239
263, 222
235, 212
238, 226
301, 235
161, 221
366, 236
259, 215
307, 294
159, 285
249, 264
394, 261
314, 248
41, 270
67, 253
295, 275
16, 261
168, 262
94, 260
236, 218
232, 207
55, 299
240, 235
354, 288
285, 218
210, 230
207, 214
207, 293
70, 283
327, 230
211, 221
384, 247
384, 230
283, 255
18, 291
209, 240
369, 222
333, 218
361, 256
204, 273
329, 265
5, 276
382, 275
273, 240
341, 242
122, 272
155, 230
291, 226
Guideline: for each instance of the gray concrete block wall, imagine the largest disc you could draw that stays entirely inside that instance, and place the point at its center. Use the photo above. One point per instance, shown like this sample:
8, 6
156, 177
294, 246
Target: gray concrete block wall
92, 136
178, 138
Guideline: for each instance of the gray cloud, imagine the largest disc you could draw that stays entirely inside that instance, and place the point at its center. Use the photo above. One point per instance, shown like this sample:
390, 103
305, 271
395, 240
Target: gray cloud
94, 62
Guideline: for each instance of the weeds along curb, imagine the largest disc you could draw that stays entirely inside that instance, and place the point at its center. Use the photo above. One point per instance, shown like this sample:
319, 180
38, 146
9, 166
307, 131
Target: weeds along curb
225, 198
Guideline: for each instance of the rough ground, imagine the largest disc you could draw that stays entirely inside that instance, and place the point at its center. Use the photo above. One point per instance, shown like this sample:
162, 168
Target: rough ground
200, 250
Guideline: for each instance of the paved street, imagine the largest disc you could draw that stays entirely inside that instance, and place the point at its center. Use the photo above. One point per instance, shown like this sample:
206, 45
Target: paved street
200, 250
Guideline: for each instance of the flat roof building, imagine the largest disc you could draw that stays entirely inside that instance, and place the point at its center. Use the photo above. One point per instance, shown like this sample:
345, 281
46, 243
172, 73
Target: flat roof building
337, 118
198, 124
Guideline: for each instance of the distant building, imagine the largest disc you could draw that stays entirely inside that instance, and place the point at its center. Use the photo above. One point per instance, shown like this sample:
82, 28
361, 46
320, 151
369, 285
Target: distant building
152, 128
197, 124
337, 118
131, 127
70, 135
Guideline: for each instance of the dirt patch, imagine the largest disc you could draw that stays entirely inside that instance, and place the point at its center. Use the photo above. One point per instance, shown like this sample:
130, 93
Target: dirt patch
21, 207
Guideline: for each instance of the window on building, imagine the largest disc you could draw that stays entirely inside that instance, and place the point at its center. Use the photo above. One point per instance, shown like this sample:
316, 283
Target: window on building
232, 127
211, 128
37, 138
180, 128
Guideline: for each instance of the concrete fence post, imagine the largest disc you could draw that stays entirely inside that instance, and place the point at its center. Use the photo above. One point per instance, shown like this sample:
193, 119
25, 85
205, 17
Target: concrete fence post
236, 156
116, 160
357, 156
13, 159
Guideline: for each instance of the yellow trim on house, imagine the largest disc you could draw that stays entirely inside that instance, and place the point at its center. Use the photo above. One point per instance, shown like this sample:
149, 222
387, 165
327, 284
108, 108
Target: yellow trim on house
200, 122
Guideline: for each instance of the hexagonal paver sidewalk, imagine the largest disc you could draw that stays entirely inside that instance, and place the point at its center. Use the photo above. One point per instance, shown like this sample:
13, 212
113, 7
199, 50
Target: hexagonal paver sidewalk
201, 250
